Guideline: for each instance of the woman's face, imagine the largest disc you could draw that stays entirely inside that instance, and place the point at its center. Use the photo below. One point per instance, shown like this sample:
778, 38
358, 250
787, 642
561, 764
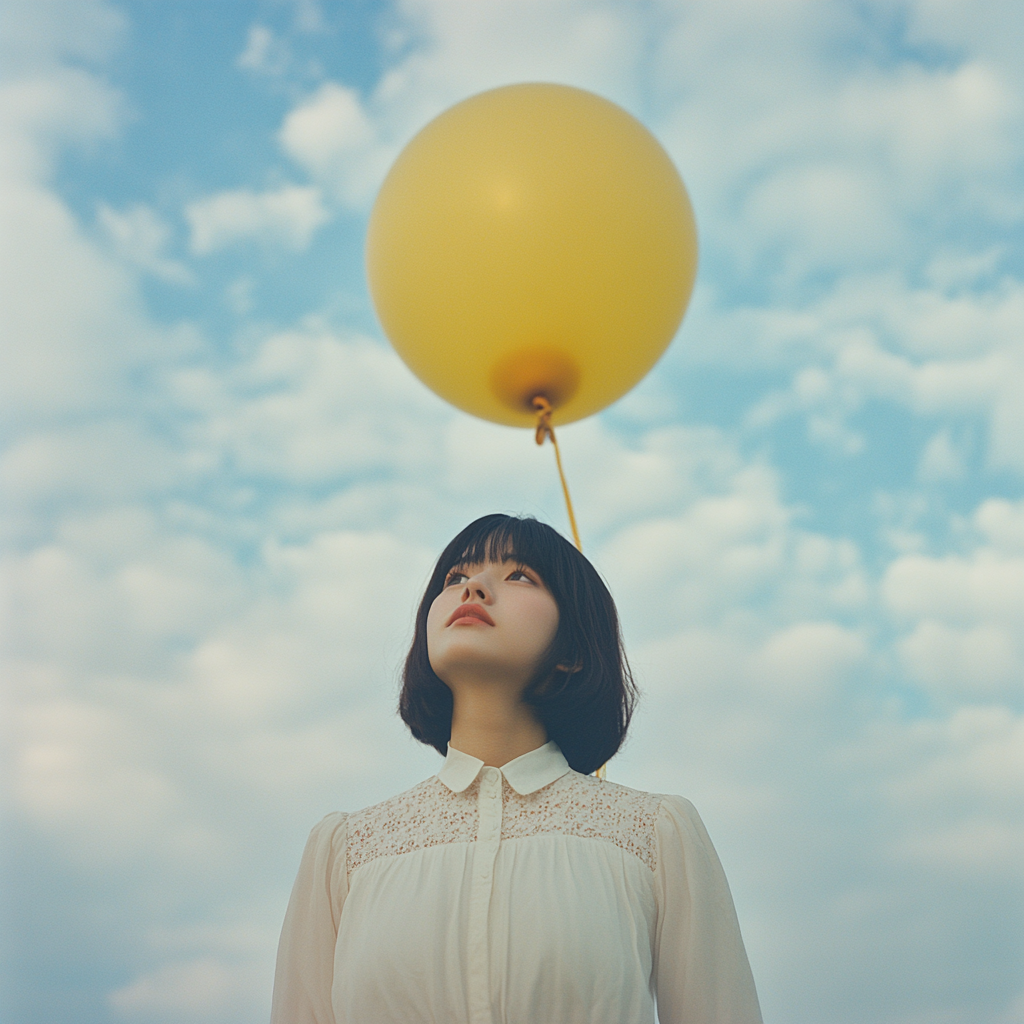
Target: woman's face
493, 621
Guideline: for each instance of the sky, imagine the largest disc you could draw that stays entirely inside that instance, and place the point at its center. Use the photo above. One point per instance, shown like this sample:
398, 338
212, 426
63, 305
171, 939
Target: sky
222, 492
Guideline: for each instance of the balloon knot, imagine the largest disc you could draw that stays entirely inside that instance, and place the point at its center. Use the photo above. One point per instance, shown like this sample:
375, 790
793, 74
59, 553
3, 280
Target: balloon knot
544, 411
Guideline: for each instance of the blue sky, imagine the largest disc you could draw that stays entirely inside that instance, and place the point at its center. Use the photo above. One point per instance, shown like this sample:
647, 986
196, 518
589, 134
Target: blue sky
222, 492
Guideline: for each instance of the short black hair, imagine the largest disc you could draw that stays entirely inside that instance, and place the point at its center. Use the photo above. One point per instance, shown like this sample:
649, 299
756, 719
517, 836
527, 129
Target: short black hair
583, 693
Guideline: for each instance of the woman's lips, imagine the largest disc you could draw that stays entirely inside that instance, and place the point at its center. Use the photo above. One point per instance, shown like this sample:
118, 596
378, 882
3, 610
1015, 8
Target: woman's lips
470, 611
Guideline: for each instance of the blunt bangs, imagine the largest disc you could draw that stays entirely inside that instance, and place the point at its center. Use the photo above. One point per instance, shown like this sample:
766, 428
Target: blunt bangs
583, 692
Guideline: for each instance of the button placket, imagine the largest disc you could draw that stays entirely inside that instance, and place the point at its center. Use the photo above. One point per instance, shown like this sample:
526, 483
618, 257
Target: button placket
489, 806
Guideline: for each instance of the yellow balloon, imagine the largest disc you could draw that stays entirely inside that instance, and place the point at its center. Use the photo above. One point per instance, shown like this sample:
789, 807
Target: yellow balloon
532, 240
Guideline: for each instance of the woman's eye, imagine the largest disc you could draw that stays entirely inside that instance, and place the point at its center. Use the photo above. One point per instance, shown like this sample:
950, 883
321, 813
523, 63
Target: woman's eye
455, 577
519, 574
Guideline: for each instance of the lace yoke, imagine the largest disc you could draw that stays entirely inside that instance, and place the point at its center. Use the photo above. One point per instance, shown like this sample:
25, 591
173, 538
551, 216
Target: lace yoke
430, 814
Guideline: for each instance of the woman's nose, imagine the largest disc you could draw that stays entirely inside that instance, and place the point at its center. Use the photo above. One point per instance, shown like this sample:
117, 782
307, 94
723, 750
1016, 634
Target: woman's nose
476, 589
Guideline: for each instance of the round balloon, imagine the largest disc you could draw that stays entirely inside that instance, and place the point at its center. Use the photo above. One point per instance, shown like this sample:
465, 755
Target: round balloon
532, 240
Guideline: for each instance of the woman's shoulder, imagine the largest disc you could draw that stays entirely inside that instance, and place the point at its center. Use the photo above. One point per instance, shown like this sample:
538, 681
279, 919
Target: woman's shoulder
615, 794
603, 793
328, 834
593, 808
404, 804
421, 816
634, 819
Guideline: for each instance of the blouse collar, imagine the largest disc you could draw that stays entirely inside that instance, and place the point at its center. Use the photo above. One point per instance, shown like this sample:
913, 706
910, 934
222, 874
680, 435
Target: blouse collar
525, 774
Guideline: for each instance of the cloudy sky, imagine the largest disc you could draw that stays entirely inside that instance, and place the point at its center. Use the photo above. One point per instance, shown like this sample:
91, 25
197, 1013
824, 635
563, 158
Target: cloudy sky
222, 491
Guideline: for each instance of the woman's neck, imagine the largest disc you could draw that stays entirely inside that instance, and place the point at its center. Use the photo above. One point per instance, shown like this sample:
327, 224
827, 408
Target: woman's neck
493, 726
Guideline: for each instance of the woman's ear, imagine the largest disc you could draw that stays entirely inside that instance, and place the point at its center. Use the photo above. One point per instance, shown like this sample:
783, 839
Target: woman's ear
556, 678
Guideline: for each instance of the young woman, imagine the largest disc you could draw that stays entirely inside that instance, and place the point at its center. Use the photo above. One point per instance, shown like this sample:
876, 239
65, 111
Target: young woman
514, 887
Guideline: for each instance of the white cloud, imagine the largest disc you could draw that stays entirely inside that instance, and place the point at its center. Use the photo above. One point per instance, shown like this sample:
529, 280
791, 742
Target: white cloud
308, 16
964, 613
140, 237
310, 405
331, 135
317, 636
98, 462
981, 660
720, 553
930, 353
84, 769
116, 601
264, 53
819, 213
725, 554
72, 319
1002, 523
287, 216
42, 114
962, 590
239, 295
41, 34
941, 460
461, 48
961, 791
991, 28
807, 660
203, 990
897, 137
934, 123
950, 270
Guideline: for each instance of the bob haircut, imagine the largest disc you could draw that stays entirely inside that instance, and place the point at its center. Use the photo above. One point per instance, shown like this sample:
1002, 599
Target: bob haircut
583, 693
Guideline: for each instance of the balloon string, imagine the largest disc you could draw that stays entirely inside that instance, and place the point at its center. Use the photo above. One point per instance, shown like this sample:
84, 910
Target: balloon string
544, 429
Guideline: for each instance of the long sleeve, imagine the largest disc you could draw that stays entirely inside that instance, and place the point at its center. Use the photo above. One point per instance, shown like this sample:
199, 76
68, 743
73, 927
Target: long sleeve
702, 975
305, 955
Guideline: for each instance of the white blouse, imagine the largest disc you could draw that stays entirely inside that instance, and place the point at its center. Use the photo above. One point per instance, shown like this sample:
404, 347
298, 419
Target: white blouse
529, 894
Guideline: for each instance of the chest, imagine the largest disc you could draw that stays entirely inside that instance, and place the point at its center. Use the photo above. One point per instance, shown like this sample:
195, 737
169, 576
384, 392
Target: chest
487, 906
544, 927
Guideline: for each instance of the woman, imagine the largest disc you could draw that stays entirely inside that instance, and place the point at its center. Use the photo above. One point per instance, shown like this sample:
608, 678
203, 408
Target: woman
514, 887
